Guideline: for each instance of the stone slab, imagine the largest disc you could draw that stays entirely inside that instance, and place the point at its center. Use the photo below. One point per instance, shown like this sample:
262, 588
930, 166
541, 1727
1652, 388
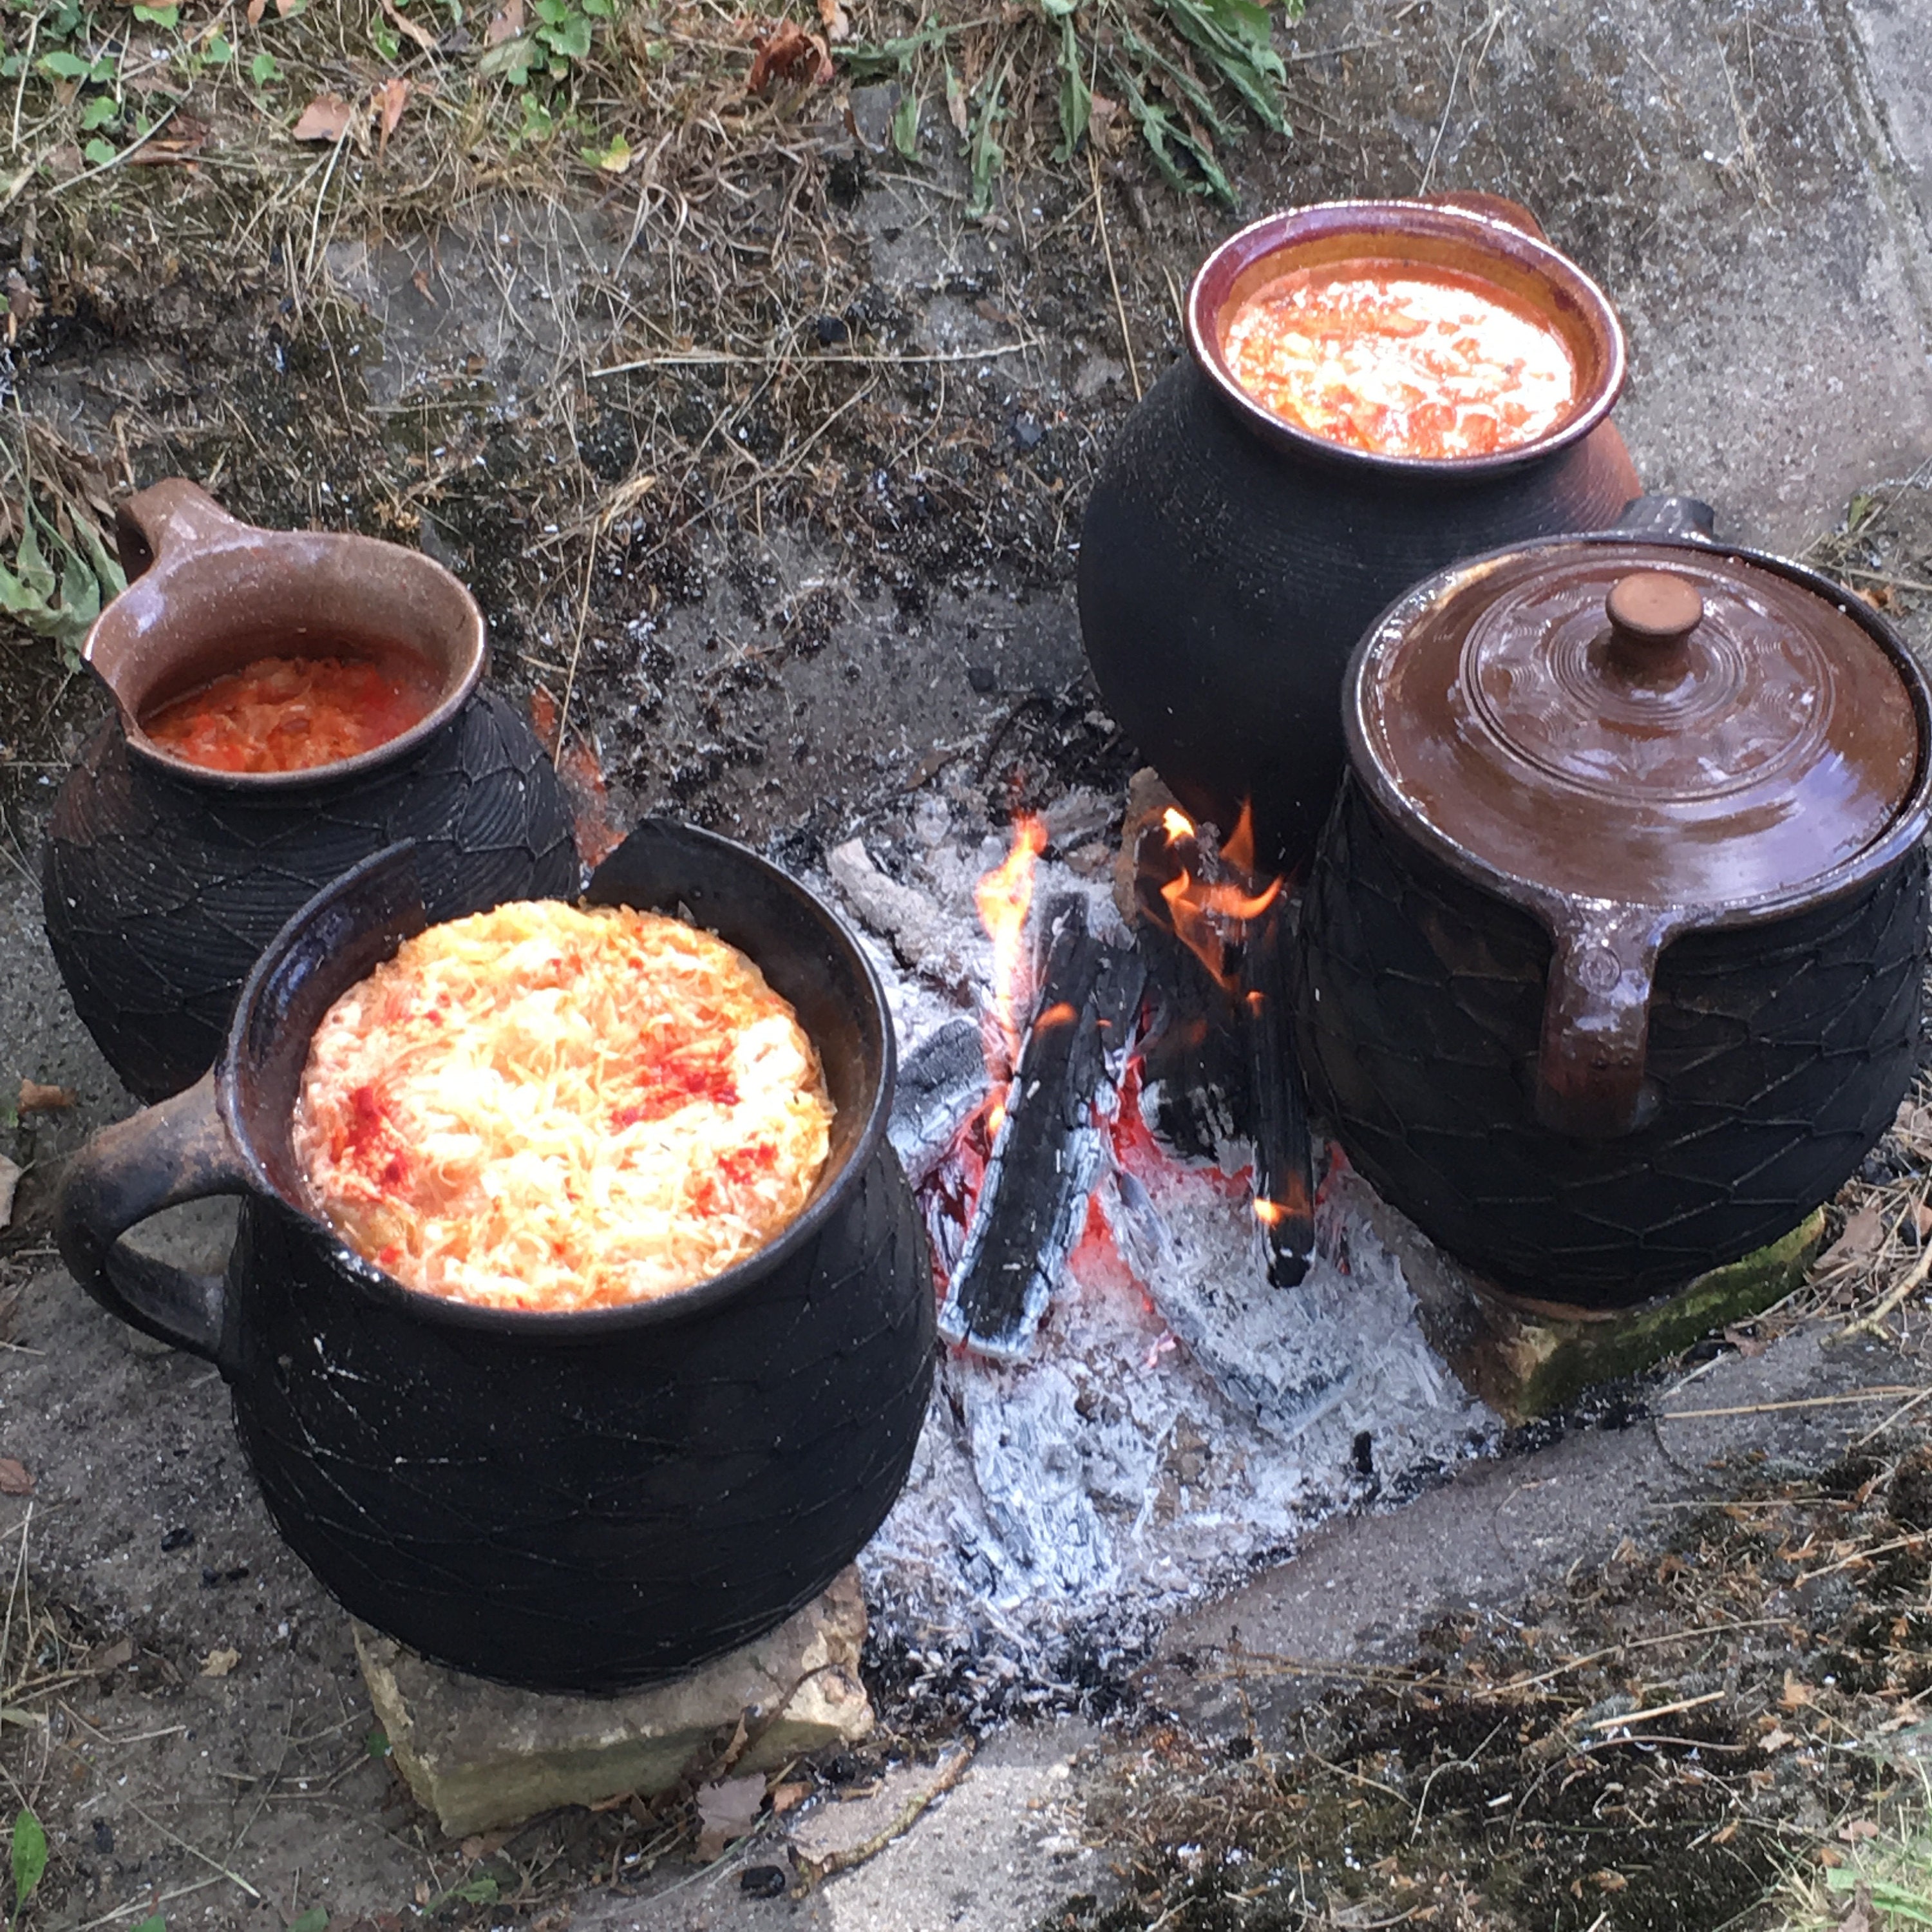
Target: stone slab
1526, 1361
482, 1756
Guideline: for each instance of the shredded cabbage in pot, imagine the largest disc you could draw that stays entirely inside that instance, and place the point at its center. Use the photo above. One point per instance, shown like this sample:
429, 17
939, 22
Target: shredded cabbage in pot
546, 1106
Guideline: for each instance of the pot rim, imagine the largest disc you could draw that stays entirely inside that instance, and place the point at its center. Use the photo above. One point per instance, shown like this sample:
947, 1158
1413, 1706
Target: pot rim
471, 655
1903, 830
578, 1325
1207, 298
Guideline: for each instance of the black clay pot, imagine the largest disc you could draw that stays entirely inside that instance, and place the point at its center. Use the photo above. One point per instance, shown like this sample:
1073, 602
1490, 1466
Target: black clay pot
1625, 992
581, 1502
162, 882
1229, 562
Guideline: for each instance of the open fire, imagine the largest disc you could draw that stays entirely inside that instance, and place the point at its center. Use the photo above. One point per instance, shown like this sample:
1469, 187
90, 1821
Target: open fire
1065, 1034
1133, 1413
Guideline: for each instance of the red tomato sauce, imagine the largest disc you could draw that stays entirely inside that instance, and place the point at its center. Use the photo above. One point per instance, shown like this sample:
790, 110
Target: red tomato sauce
289, 715
1380, 357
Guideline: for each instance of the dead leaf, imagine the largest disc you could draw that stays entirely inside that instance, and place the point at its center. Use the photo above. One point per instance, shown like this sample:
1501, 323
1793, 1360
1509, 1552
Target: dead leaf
11, 1172
185, 139
1880, 596
1854, 1829
1747, 1345
16, 1478
1858, 1917
784, 54
506, 24
726, 1811
403, 24
256, 8
1775, 1741
836, 22
114, 1656
419, 281
220, 1663
326, 117
391, 97
1796, 1694
1864, 1235
1610, 1881
36, 1097
284, 8
1922, 1219
788, 1797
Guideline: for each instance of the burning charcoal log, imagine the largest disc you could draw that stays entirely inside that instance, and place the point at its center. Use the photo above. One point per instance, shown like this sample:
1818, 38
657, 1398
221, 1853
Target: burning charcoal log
1278, 1110
1049, 1149
940, 1082
1193, 1071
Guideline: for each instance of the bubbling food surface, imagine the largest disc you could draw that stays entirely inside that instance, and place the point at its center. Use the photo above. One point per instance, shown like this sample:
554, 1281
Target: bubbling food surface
546, 1106
1378, 357
289, 715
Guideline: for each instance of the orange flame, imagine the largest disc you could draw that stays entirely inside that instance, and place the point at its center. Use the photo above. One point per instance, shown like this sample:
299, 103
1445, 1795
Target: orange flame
1203, 911
1004, 896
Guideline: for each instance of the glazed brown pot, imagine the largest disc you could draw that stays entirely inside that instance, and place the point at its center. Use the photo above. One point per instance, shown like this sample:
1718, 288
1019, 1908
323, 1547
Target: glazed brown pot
1230, 562
162, 880
1611, 954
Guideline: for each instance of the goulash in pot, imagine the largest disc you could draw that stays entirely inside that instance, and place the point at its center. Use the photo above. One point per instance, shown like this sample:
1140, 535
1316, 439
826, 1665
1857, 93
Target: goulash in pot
1382, 358
548, 1107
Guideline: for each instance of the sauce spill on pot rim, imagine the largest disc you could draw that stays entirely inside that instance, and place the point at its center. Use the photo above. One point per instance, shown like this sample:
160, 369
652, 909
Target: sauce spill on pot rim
1395, 358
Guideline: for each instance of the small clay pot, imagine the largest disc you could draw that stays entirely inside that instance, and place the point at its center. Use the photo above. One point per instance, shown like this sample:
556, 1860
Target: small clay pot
162, 880
1229, 561
586, 1501
1612, 955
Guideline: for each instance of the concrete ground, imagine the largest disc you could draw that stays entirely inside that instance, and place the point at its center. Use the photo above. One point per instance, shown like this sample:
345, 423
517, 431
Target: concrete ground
1753, 183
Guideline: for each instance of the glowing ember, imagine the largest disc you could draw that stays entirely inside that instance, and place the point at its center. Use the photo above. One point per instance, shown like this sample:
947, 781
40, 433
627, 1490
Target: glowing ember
1206, 906
1004, 896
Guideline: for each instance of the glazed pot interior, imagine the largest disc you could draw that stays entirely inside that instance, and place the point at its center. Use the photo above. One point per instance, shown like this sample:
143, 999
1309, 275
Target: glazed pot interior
198, 616
359, 921
1419, 236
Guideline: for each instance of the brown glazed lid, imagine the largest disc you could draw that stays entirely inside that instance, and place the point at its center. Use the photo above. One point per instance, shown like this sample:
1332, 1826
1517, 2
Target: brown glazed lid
1630, 739
1642, 723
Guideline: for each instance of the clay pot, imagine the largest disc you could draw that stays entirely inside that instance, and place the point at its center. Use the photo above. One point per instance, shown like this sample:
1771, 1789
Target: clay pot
1230, 562
163, 880
1612, 952
584, 1501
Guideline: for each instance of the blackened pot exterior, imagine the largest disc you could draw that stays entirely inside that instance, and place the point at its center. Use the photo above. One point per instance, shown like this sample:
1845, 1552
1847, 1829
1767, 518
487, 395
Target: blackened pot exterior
586, 1502
1224, 583
159, 893
1778, 1051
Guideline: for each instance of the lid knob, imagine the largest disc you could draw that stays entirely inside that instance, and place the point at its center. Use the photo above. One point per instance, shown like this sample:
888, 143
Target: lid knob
1653, 608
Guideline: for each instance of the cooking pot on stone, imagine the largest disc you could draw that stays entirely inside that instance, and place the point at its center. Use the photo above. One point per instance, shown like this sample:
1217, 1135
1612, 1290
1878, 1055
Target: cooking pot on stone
162, 880
584, 1501
1229, 561
1611, 956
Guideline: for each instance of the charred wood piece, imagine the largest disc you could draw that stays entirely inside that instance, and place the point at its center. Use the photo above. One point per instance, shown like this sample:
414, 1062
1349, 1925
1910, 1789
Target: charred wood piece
1050, 1148
1278, 1107
940, 1084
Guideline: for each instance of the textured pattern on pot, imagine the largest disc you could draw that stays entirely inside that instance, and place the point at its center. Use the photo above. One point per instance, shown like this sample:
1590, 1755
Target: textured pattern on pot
1230, 561
582, 1501
162, 880
1611, 954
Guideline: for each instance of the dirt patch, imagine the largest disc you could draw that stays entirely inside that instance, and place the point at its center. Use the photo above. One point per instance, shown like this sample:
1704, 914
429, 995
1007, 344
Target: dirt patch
1649, 1750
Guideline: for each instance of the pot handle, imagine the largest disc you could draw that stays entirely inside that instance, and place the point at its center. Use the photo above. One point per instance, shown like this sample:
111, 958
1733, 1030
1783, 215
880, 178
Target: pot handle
180, 1151
1596, 1018
168, 517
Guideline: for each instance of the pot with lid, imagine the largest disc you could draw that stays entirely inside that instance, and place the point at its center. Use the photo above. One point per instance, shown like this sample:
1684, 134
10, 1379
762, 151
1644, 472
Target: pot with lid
1612, 952
1230, 558
163, 878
